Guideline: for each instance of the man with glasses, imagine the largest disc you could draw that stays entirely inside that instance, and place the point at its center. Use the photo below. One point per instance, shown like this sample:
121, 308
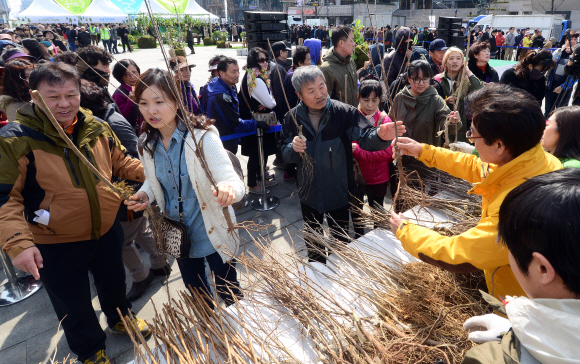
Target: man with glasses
507, 126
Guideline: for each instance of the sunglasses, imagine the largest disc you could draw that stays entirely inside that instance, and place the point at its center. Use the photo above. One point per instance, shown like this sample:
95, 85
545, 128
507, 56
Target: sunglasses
262, 60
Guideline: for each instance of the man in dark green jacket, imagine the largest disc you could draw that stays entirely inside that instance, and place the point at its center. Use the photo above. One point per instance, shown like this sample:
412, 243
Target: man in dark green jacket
339, 69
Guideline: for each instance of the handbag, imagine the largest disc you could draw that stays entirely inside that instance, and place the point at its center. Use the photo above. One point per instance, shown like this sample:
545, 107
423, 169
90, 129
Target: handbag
267, 117
175, 238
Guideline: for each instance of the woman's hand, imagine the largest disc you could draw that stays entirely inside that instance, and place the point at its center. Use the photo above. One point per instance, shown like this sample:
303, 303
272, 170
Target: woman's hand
132, 96
387, 131
139, 202
408, 146
454, 117
354, 145
451, 100
558, 89
225, 194
396, 220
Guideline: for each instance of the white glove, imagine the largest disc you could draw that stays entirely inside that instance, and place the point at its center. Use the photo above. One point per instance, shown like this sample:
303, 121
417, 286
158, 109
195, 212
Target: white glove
494, 325
462, 147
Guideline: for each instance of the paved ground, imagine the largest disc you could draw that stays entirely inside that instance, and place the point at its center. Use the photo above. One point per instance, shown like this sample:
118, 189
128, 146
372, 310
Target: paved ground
28, 330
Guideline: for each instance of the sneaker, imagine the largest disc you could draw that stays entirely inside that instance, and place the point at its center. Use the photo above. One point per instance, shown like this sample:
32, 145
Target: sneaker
119, 328
288, 177
100, 357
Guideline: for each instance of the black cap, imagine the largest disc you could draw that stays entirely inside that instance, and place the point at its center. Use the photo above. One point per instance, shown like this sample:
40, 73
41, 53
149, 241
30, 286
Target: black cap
438, 45
280, 46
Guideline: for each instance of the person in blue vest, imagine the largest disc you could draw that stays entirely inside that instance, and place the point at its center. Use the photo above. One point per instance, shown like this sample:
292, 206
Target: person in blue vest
223, 105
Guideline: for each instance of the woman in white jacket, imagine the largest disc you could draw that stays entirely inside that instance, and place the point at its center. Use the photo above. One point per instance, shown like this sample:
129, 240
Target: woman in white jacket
171, 166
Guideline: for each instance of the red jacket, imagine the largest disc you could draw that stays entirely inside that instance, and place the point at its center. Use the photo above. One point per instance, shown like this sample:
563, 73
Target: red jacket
374, 166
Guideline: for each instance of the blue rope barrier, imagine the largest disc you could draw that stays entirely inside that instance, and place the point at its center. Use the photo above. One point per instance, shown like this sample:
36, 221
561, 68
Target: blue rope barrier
273, 129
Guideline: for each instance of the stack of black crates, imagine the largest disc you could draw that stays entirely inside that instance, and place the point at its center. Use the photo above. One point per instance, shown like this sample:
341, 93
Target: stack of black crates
449, 29
261, 26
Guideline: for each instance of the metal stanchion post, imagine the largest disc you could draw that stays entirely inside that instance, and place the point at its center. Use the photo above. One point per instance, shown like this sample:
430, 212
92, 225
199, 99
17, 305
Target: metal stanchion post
17, 289
263, 203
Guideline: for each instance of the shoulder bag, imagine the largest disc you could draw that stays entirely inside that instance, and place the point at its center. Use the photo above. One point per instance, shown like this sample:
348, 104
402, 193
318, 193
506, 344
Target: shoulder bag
267, 117
175, 238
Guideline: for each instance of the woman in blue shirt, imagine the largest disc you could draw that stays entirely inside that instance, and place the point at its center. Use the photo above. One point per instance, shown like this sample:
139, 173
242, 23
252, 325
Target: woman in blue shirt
170, 162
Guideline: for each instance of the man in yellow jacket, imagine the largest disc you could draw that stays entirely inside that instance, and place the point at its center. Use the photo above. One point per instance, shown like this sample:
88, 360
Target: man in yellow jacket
507, 126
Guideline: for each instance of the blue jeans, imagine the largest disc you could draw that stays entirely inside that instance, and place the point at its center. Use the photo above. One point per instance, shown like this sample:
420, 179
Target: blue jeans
72, 46
193, 274
107, 44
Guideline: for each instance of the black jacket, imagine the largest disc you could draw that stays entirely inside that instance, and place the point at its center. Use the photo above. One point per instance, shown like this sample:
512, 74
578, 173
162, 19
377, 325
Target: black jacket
128, 138
84, 38
328, 187
277, 86
394, 63
536, 87
490, 75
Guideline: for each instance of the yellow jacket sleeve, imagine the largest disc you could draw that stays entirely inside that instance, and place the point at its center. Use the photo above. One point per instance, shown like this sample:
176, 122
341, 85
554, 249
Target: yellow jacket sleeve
457, 164
477, 246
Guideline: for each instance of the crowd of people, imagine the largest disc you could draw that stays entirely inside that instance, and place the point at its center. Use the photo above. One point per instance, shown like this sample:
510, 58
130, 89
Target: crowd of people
344, 119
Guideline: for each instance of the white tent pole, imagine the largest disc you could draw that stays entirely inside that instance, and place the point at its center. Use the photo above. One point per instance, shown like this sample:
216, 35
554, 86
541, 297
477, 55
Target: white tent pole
226, 7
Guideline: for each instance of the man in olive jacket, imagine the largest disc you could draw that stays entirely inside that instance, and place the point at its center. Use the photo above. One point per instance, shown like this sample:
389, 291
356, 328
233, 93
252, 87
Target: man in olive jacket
79, 233
336, 63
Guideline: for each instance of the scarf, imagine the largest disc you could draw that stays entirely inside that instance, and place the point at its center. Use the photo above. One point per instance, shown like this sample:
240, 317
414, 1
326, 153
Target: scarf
253, 74
189, 97
375, 118
94, 75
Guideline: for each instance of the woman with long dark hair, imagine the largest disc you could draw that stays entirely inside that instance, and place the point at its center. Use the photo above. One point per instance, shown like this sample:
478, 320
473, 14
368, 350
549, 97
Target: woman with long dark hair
16, 89
256, 97
562, 136
175, 178
529, 73
33, 48
127, 73
479, 54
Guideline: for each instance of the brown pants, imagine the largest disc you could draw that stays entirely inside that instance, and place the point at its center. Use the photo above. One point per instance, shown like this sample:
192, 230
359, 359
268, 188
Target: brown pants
138, 230
94, 39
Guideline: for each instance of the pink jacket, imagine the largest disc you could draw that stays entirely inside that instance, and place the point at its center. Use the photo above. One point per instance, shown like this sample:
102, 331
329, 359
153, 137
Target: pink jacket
374, 166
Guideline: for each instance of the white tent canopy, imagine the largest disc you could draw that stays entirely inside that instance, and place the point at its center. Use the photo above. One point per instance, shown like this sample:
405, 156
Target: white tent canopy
192, 8
105, 11
44, 11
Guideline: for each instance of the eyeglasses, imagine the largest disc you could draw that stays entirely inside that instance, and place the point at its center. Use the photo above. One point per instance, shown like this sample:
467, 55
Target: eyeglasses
262, 60
419, 80
470, 137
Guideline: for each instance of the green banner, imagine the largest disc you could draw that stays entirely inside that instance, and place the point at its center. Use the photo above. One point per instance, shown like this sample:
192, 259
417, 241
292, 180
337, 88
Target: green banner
173, 5
74, 6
